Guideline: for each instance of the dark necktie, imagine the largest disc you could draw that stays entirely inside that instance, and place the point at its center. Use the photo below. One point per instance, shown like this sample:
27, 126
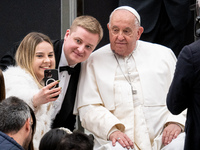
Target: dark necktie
67, 68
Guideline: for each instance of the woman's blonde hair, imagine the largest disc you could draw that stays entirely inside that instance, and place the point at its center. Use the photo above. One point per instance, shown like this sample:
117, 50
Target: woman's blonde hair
26, 52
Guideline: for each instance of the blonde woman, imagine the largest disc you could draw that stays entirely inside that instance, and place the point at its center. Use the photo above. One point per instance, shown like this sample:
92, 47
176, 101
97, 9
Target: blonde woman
34, 54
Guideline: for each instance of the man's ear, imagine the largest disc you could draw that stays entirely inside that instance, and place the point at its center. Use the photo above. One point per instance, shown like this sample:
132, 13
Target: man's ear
140, 31
67, 33
108, 26
28, 124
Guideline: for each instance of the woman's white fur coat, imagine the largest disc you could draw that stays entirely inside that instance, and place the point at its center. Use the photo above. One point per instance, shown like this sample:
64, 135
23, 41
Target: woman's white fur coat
21, 84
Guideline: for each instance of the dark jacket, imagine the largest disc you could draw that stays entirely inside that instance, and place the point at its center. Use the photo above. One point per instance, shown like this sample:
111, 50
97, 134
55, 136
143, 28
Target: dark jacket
184, 93
8, 143
65, 117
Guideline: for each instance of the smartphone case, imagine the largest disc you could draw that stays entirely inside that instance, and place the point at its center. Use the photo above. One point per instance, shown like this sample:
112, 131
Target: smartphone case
50, 75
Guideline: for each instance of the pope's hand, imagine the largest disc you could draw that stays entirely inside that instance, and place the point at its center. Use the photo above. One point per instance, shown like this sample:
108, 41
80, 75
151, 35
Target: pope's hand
170, 132
122, 138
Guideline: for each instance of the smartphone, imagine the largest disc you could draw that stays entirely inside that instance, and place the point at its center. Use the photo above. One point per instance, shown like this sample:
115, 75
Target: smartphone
51, 75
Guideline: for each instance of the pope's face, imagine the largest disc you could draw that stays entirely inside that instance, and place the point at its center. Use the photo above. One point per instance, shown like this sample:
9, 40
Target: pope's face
79, 44
123, 32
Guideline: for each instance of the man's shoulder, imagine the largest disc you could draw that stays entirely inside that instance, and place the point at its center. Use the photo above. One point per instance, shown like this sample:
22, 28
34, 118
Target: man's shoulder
57, 44
154, 48
7, 142
195, 45
101, 53
102, 50
191, 51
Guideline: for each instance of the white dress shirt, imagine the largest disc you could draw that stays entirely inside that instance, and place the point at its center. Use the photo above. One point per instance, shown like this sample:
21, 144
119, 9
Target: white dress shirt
64, 78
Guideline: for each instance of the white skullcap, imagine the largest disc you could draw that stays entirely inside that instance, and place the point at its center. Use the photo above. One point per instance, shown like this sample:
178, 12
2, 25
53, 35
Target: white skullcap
132, 10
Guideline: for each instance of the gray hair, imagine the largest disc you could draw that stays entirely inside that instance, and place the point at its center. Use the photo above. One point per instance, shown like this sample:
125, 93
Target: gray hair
13, 114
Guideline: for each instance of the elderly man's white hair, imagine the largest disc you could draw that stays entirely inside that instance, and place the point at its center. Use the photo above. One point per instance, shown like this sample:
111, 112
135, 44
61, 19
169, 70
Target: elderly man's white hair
130, 9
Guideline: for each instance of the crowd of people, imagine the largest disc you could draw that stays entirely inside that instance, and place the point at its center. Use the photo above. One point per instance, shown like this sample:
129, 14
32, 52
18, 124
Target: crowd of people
129, 94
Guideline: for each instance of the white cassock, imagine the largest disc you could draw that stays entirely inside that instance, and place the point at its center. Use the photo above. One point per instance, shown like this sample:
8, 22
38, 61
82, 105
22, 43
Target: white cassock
105, 101
20, 83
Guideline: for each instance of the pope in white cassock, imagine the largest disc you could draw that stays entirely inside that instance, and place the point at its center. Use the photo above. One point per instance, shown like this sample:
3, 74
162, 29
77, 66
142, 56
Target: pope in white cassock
122, 91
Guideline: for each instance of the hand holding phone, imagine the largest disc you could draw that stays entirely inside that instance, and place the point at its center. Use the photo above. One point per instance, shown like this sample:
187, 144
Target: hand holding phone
51, 75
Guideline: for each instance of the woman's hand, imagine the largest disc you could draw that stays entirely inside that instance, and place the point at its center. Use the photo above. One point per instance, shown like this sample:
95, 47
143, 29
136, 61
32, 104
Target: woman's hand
46, 94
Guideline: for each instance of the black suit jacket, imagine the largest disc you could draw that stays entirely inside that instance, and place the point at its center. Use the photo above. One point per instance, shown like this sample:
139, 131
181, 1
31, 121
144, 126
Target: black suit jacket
65, 117
149, 10
184, 93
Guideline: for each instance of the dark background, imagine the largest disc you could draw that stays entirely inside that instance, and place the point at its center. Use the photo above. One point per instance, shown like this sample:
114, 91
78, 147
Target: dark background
101, 10
19, 17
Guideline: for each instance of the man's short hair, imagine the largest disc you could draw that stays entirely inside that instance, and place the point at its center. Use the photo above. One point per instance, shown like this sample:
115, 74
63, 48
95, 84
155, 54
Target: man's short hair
13, 114
89, 23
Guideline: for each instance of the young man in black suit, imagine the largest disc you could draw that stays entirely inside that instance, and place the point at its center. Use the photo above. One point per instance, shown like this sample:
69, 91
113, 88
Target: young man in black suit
79, 42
